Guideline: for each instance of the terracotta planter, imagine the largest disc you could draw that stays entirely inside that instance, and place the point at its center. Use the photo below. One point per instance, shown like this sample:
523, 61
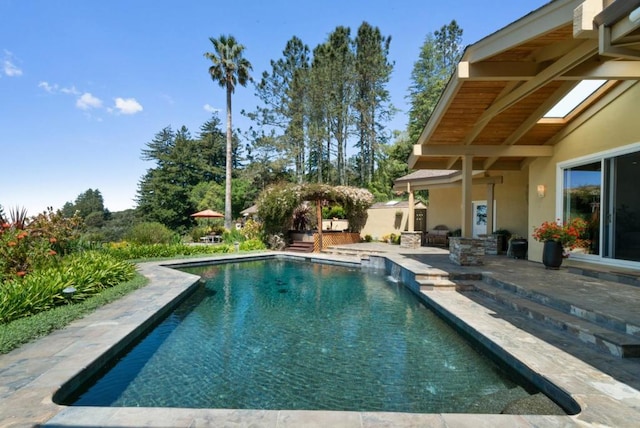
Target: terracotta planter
552, 254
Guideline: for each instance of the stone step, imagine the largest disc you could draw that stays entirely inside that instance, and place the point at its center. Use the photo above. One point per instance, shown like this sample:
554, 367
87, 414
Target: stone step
301, 247
439, 283
602, 338
589, 314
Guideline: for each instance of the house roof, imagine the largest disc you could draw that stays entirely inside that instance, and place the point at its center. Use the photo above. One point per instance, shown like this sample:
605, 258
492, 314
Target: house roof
492, 109
396, 205
253, 209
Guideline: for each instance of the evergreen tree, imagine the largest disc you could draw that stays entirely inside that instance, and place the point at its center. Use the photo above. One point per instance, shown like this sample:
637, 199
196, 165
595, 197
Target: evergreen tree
165, 191
438, 58
373, 72
341, 92
283, 93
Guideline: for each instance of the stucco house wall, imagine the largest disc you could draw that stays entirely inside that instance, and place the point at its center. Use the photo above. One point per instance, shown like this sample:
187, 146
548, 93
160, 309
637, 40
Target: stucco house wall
613, 127
387, 219
510, 196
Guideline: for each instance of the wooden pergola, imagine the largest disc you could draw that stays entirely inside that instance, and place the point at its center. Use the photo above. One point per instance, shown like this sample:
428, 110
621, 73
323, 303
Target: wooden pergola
490, 116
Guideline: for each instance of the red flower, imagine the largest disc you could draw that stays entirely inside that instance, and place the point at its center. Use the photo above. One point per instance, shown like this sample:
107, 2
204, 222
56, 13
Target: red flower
21, 273
52, 253
6, 225
566, 233
12, 243
53, 240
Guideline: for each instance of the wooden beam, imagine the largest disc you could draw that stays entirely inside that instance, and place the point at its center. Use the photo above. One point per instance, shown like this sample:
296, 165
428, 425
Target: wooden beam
449, 181
585, 50
607, 46
498, 70
478, 164
486, 150
604, 70
521, 71
583, 16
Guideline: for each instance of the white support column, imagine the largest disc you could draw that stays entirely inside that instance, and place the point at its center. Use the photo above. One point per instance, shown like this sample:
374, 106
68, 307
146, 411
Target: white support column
467, 205
412, 209
490, 213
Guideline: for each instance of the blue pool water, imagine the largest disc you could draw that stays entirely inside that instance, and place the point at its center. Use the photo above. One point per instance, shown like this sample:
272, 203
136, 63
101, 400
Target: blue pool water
291, 335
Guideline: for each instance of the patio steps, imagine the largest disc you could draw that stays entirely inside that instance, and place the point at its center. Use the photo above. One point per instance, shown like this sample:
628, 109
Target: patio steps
595, 330
300, 247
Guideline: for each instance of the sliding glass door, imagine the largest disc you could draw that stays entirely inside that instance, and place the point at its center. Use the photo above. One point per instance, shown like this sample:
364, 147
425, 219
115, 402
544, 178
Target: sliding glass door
606, 193
622, 210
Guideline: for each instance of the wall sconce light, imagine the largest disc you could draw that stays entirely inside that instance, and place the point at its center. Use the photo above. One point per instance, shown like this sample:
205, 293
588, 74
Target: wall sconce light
541, 190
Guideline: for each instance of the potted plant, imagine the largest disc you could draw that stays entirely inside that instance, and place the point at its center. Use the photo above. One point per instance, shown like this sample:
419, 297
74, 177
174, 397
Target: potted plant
559, 238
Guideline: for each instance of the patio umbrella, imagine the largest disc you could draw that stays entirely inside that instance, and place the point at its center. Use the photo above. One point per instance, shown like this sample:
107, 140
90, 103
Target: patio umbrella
207, 214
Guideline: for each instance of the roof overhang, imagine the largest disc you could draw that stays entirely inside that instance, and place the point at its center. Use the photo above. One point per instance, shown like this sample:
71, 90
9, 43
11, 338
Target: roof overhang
493, 106
441, 180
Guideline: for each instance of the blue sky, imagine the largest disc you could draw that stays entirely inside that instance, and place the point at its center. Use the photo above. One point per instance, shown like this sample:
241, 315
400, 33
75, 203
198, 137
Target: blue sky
84, 85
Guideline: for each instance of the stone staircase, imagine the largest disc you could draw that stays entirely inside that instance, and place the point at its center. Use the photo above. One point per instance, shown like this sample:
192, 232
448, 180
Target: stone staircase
300, 247
598, 330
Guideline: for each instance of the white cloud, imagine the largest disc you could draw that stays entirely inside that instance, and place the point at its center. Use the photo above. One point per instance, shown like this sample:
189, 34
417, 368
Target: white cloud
71, 91
211, 109
8, 67
128, 105
54, 88
88, 101
47, 87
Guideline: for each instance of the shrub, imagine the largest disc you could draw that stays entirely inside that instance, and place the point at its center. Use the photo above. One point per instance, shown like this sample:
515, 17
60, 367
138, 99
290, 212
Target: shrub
252, 244
368, 238
151, 233
23, 330
231, 236
87, 272
26, 245
252, 229
301, 217
129, 251
334, 211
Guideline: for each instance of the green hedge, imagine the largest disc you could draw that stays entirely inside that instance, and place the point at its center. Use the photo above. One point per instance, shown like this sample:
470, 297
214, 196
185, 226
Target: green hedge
130, 251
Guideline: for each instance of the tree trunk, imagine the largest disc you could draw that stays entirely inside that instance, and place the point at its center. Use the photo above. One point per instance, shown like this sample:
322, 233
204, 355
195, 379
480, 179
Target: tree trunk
227, 188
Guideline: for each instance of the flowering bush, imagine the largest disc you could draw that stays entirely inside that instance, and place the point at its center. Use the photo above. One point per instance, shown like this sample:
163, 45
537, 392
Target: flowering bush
568, 233
28, 244
277, 204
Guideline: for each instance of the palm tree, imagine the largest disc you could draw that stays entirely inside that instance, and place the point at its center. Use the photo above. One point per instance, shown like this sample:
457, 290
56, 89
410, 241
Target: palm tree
229, 68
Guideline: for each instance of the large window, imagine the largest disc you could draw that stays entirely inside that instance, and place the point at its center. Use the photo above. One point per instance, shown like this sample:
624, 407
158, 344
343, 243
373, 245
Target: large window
605, 192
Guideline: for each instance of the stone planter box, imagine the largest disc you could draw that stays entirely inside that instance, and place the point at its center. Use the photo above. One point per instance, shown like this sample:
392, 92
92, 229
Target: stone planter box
410, 239
466, 251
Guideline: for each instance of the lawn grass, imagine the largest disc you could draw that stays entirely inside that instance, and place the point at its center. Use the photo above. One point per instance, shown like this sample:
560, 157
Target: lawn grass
24, 330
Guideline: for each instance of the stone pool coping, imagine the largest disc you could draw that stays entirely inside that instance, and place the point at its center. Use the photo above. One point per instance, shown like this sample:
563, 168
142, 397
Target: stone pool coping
32, 374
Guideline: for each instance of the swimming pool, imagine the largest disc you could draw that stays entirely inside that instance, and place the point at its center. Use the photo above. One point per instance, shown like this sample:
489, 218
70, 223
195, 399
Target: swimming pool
279, 334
